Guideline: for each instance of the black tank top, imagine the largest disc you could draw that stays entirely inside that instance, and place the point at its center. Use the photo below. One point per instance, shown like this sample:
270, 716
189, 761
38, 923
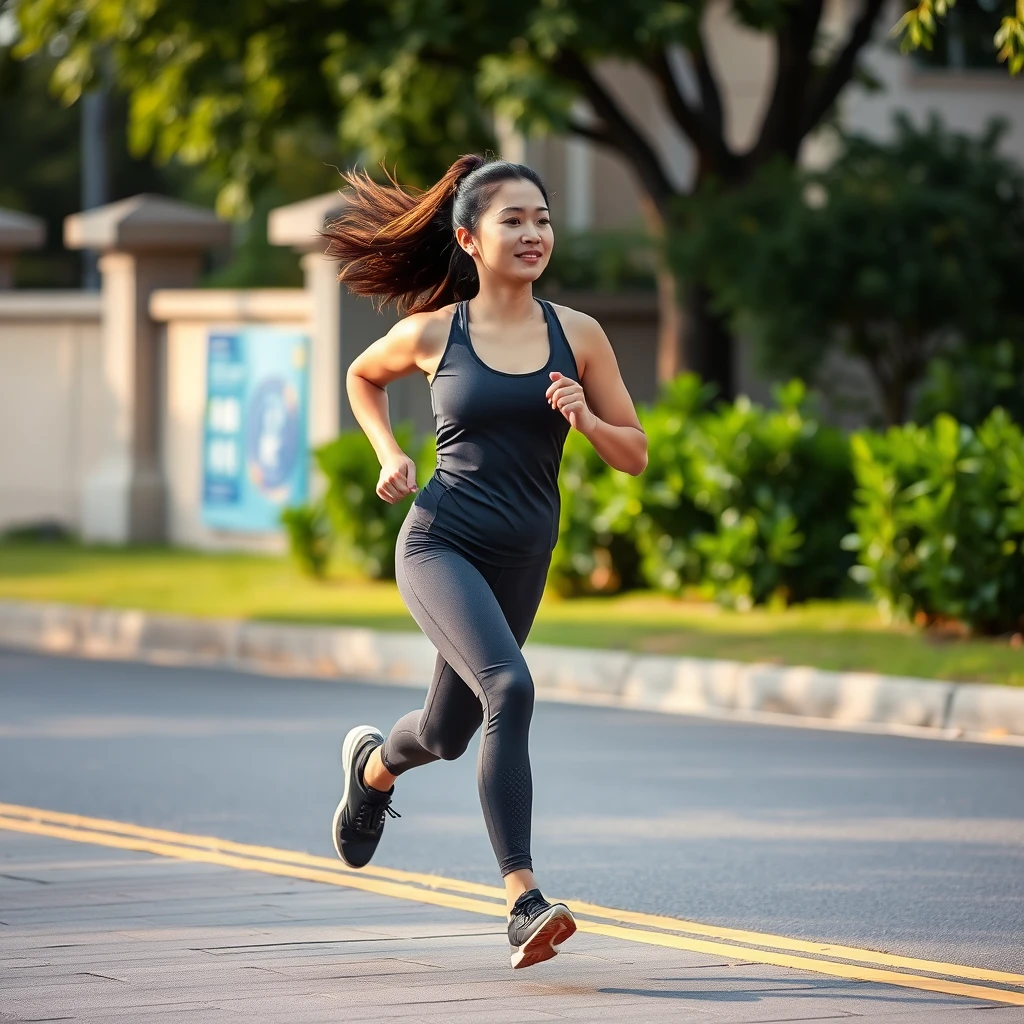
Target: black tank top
494, 492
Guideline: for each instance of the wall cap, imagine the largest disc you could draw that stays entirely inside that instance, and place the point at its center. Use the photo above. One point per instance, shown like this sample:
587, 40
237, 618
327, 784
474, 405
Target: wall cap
20, 231
146, 222
297, 224
230, 304
55, 306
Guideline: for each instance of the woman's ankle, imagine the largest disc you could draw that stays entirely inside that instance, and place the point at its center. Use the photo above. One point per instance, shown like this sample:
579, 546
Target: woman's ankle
516, 883
375, 775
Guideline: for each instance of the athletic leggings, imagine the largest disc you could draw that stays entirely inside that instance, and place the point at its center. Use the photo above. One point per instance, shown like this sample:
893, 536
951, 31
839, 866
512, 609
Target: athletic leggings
477, 616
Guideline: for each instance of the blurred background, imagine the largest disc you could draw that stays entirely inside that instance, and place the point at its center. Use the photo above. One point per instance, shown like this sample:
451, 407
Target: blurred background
800, 223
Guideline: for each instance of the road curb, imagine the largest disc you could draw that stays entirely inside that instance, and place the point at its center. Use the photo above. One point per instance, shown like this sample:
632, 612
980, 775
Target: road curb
722, 689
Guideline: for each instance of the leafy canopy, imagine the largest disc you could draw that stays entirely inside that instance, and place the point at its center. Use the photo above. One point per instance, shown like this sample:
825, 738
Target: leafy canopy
410, 81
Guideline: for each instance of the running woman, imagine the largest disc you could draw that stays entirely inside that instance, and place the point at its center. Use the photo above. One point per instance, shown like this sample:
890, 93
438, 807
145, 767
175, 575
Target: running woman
509, 375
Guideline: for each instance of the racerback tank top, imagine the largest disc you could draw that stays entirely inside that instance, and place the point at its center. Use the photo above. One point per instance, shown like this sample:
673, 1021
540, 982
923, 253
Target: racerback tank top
494, 491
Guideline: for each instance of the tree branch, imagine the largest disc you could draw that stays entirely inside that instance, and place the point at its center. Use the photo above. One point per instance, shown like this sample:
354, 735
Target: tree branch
591, 133
780, 130
710, 94
840, 71
711, 147
617, 132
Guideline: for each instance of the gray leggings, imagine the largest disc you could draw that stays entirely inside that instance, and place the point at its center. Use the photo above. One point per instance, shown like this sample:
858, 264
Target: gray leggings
477, 616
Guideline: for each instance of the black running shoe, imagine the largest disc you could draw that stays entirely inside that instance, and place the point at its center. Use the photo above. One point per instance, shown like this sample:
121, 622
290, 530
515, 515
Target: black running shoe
359, 819
537, 928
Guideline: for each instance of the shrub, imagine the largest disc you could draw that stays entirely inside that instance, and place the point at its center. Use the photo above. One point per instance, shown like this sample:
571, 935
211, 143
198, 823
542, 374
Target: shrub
309, 537
365, 524
595, 553
939, 519
969, 382
747, 503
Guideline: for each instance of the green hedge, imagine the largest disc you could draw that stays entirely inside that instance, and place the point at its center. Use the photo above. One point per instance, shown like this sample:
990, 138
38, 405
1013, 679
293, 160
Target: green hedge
743, 503
350, 513
939, 518
747, 505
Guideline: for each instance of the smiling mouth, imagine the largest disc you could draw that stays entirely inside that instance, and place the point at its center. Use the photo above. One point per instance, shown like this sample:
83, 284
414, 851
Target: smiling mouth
530, 257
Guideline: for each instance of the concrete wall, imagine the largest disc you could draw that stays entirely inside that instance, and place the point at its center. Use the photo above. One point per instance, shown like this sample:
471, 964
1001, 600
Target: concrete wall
51, 388
187, 317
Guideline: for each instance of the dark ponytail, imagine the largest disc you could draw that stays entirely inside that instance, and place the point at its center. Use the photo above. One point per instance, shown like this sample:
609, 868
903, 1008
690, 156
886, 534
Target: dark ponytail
401, 248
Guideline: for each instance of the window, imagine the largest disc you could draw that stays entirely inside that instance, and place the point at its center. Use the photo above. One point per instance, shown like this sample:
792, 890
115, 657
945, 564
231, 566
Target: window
964, 37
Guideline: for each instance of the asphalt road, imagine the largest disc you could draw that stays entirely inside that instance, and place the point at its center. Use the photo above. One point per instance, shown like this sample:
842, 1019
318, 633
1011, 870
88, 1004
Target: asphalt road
904, 845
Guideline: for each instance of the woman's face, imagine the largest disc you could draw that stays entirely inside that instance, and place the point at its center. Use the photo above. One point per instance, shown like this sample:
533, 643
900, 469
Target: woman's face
513, 237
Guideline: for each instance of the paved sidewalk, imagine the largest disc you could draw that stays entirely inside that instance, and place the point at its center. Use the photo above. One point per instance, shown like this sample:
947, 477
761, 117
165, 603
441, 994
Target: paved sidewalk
100, 934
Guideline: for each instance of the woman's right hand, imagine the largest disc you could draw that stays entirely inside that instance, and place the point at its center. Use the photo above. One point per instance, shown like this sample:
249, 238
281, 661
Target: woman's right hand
397, 478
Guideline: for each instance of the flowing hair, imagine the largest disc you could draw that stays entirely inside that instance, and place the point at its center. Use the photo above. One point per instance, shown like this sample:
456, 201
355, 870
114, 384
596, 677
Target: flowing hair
399, 246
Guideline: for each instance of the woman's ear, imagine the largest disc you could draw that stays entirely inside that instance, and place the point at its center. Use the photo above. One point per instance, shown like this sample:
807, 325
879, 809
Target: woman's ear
465, 240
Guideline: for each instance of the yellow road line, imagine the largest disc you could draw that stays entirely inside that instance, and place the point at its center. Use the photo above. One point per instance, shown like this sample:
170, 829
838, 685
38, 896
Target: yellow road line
248, 850
831, 949
207, 856
391, 882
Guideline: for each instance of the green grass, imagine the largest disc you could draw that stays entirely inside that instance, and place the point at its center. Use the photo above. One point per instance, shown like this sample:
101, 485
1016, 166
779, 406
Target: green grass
832, 635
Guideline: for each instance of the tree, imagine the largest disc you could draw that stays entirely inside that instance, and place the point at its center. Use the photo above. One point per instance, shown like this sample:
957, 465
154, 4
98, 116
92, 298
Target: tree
40, 166
897, 252
409, 81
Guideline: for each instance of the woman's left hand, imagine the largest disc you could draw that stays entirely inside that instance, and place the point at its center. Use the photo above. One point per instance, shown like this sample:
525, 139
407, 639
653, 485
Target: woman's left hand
566, 395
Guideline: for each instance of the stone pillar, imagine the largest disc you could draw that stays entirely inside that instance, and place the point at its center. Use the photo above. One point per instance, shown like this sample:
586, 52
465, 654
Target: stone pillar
298, 225
146, 242
341, 325
17, 231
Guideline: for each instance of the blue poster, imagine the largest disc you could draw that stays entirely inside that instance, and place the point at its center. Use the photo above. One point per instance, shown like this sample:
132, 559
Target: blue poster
255, 448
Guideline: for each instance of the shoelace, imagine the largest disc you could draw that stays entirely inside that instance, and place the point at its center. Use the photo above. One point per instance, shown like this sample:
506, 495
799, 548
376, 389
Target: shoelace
525, 911
370, 816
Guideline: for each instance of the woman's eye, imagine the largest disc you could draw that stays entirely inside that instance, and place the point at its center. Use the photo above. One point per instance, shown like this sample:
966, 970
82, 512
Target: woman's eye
512, 220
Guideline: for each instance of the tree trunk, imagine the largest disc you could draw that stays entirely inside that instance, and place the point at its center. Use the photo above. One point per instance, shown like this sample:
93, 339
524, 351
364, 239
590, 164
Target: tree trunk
708, 343
690, 336
671, 359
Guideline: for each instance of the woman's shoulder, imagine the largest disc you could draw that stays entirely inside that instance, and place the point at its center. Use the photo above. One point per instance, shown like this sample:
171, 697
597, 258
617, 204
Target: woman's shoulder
582, 331
428, 328
575, 319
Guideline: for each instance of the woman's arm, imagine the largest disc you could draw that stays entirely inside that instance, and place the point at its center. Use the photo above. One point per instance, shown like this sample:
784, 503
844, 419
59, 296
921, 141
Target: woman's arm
395, 355
599, 402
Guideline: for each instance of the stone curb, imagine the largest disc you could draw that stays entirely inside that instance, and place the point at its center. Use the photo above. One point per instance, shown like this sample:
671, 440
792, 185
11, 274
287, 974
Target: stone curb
696, 686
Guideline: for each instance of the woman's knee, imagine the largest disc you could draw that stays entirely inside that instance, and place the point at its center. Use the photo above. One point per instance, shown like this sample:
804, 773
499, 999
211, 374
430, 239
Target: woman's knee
451, 743
512, 693
450, 748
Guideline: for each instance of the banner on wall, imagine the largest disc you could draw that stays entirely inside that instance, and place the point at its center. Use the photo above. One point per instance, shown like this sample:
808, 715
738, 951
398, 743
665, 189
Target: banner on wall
255, 447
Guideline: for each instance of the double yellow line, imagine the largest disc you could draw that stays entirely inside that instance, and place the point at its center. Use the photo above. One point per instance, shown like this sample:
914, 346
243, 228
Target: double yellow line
652, 929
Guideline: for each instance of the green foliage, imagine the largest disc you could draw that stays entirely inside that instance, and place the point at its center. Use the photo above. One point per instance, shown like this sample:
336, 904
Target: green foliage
603, 261
895, 252
365, 524
414, 85
595, 553
746, 502
917, 28
969, 383
40, 165
940, 521
746, 505
309, 538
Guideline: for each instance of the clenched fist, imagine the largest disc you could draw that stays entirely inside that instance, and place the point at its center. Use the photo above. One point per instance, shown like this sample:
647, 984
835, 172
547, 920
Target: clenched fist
397, 478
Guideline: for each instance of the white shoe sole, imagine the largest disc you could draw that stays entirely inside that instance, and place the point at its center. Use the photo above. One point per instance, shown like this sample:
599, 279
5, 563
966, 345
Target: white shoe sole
353, 738
544, 943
